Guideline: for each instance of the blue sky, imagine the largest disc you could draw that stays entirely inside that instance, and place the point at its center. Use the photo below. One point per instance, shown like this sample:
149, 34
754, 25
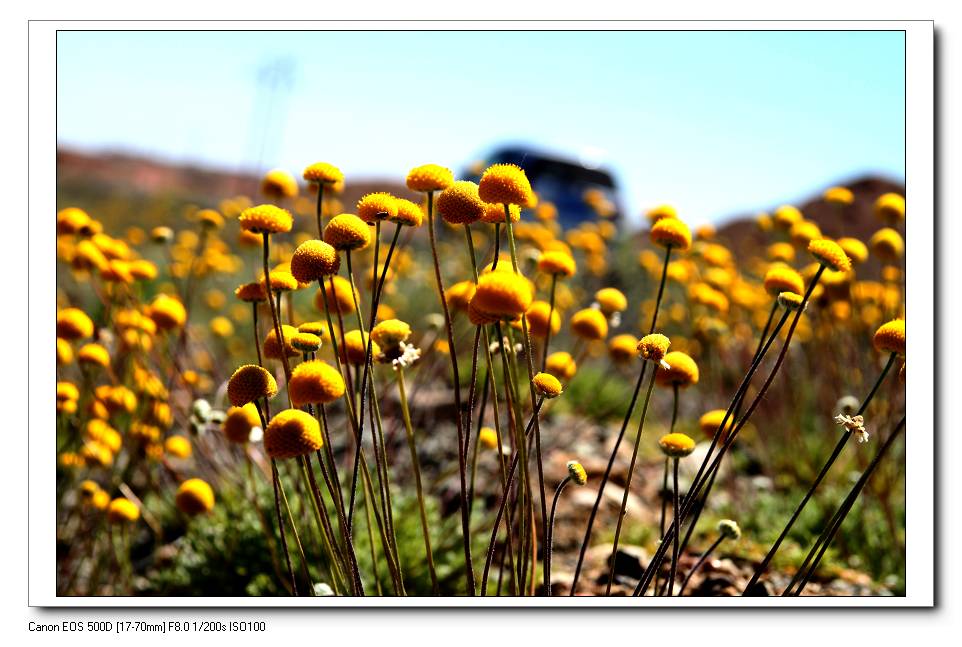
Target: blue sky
716, 123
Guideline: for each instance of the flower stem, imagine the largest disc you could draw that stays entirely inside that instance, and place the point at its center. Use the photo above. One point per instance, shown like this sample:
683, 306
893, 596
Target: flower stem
701, 560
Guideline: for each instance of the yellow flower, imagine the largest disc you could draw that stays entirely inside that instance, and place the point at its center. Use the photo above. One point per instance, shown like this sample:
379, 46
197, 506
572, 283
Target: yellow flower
781, 252
557, 263
828, 253
890, 208
122, 510
251, 292
494, 213
71, 220
428, 178
676, 445
64, 352
890, 337
306, 342
347, 232
459, 204
711, 421
167, 312
221, 326
611, 301
194, 496
589, 324
478, 317
266, 219
314, 259
88, 489
249, 383
272, 348
377, 206
887, 244
460, 294
854, 249
323, 173
315, 382
653, 347
178, 447
73, 324
505, 184
390, 333
803, 232
562, 365
318, 328
683, 371
838, 195
94, 354
408, 214
292, 433
210, 219
790, 300
354, 348
281, 281
239, 422
671, 233
162, 235
782, 278
623, 348
340, 298
787, 215
661, 211
506, 295
547, 385
577, 473
278, 184
537, 316
488, 438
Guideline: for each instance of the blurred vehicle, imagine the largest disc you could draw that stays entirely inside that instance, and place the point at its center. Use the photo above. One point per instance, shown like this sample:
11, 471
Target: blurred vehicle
579, 193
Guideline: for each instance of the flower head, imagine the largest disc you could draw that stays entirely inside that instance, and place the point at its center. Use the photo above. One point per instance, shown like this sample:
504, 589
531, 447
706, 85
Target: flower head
661, 211
253, 292
623, 348
537, 317
506, 295
855, 249
828, 253
505, 184
306, 342
377, 206
460, 294
671, 233
654, 347
249, 383
676, 445
890, 208
429, 178
266, 219
838, 195
557, 263
711, 423
790, 300
494, 213
562, 365
71, 220
314, 259
315, 382
408, 214
272, 348
194, 496
459, 204
547, 385
354, 348
729, 529
890, 337
323, 173
577, 473
782, 278
347, 232
122, 510
611, 300
589, 324
278, 184
167, 312
887, 244
682, 371
94, 354
390, 333
73, 324
488, 437
292, 433
853, 424
240, 422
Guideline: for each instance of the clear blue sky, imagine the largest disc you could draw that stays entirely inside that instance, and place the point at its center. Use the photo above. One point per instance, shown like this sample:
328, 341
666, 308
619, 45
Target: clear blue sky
716, 123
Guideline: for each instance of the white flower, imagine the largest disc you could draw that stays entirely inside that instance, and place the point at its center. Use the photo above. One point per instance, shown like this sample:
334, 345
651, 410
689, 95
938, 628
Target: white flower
615, 319
409, 355
854, 424
256, 435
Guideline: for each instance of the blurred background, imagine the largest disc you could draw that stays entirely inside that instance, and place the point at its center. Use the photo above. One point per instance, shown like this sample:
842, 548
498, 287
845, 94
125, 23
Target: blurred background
718, 124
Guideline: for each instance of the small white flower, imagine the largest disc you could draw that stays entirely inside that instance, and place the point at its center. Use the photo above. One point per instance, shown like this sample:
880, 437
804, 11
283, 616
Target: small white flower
595, 305
409, 355
854, 424
256, 435
518, 349
615, 319
494, 347
665, 365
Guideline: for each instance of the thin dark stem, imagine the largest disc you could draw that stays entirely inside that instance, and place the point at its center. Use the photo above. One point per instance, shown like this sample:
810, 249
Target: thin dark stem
547, 336
621, 434
674, 505
701, 560
554, 508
